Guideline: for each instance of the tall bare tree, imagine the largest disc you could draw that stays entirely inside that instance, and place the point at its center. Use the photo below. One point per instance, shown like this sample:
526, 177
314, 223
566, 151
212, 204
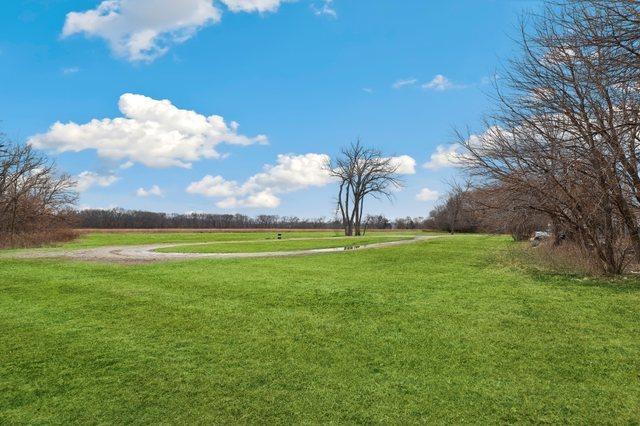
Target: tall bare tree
361, 172
564, 140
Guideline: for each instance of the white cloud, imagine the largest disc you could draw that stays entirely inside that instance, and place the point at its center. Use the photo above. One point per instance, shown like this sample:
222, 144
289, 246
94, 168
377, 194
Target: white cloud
291, 173
152, 132
406, 164
441, 83
214, 186
399, 84
142, 30
367, 90
445, 156
154, 190
70, 70
260, 6
427, 194
325, 9
86, 180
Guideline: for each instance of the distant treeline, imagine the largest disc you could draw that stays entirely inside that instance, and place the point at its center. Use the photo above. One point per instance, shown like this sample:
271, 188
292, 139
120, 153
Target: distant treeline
137, 219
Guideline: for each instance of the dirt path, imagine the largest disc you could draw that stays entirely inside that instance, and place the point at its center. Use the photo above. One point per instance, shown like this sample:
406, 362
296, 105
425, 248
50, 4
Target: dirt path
146, 253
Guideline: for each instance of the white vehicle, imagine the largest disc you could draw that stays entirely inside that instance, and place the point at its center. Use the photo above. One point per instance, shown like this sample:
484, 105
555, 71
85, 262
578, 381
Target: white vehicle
538, 237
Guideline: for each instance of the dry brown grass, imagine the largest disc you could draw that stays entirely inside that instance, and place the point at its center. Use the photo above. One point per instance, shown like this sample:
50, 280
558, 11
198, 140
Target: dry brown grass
566, 258
38, 238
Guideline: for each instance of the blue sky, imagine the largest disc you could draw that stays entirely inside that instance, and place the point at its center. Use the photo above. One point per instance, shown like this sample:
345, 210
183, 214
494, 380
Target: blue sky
301, 78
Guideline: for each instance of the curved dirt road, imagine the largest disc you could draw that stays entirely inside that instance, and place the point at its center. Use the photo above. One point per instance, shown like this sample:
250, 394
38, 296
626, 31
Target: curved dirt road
146, 253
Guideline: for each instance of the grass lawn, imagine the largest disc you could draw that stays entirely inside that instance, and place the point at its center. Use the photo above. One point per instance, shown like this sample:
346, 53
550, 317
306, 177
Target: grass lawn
135, 238
441, 331
279, 245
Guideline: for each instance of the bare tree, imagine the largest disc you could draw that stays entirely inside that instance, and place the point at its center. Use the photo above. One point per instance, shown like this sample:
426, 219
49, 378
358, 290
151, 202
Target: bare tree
361, 172
564, 139
457, 202
33, 195
497, 211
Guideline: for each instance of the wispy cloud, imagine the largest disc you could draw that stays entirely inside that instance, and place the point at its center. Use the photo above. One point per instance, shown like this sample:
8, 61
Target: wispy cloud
367, 90
439, 83
442, 83
325, 9
153, 191
70, 70
404, 82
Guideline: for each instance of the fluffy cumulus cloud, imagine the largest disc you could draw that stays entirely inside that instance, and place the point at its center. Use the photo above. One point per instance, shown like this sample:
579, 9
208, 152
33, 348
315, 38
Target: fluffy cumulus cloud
86, 180
142, 30
153, 191
290, 173
427, 194
445, 156
151, 132
406, 164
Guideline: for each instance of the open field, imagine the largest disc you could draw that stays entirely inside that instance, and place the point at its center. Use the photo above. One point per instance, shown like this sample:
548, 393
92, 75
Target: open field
254, 246
180, 246
447, 330
135, 238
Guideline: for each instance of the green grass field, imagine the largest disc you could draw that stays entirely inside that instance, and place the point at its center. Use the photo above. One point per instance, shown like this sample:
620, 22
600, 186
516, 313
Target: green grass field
280, 245
442, 331
135, 238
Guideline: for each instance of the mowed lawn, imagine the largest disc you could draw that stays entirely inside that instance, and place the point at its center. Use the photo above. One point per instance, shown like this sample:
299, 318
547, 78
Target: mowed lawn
281, 245
134, 238
441, 331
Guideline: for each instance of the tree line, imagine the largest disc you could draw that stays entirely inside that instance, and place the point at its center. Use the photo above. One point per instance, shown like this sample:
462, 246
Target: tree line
138, 219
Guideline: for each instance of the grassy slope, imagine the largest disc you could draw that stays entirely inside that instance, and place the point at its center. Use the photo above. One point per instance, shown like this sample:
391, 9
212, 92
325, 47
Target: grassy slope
278, 245
435, 331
